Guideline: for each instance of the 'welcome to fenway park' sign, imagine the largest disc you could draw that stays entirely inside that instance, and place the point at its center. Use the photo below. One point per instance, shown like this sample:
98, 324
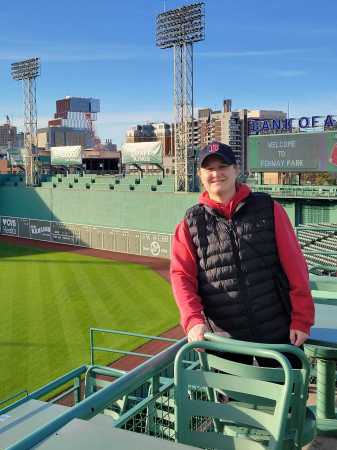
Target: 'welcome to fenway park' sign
293, 152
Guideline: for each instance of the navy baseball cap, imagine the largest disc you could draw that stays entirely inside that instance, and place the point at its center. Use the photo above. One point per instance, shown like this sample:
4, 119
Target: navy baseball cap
219, 149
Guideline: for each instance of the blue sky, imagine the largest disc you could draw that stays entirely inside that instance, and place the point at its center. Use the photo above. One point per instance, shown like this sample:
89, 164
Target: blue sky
262, 54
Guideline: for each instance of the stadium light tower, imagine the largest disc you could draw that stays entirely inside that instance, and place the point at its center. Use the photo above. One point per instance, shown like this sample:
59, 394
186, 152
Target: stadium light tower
27, 71
180, 28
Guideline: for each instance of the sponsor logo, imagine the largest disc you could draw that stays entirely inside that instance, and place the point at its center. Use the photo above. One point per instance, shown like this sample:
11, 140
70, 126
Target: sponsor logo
9, 226
40, 230
155, 248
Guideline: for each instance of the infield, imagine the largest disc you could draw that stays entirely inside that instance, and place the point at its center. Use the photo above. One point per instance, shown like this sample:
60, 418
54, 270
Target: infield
50, 299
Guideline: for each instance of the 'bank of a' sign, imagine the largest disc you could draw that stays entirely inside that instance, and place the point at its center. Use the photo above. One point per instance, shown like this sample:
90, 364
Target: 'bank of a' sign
257, 125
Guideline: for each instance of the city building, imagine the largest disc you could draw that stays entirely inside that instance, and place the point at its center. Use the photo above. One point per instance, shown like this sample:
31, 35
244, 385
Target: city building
150, 132
73, 123
7, 135
230, 127
57, 136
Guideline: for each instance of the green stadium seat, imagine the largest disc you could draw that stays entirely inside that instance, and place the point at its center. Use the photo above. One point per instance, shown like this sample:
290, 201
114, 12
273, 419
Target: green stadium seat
226, 404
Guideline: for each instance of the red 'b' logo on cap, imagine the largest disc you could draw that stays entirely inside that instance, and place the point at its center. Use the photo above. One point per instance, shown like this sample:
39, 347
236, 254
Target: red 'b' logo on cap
213, 147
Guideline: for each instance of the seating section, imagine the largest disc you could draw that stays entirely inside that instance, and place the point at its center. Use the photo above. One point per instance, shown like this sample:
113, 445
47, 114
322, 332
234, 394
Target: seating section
319, 245
296, 191
128, 183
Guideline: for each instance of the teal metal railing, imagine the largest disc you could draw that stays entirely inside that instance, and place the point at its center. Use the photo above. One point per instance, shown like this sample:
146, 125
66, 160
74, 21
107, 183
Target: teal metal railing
93, 348
151, 374
21, 393
59, 383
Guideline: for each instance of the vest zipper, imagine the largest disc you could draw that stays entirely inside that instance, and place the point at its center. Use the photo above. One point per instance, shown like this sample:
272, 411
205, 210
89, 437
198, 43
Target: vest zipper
242, 285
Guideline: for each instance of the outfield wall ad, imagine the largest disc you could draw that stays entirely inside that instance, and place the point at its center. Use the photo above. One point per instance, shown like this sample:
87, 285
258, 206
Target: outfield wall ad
116, 240
296, 152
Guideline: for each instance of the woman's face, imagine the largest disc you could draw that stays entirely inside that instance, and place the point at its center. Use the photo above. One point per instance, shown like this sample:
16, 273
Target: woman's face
218, 178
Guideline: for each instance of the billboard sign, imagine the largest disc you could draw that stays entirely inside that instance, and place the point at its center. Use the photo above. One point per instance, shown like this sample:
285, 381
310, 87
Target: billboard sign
155, 244
256, 126
296, 152
69, 155
142, 153
40, 229
61, 233
9, 226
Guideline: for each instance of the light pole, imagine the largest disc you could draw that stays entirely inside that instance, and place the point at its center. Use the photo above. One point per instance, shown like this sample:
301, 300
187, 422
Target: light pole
27, 71
180, 28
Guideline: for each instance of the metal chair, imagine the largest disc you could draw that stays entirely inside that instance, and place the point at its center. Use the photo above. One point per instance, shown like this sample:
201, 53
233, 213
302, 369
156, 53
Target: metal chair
266, 407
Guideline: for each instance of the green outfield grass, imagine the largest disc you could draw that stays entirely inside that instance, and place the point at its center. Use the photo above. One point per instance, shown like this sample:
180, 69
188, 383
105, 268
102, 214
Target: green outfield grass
49, 300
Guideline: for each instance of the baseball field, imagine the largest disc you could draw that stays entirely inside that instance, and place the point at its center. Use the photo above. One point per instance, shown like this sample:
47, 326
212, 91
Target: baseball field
51, 298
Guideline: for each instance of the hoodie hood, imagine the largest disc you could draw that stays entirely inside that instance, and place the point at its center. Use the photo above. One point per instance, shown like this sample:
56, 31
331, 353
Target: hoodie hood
226, 209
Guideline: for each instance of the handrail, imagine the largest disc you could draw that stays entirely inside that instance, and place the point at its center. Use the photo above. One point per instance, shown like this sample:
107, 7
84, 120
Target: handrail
99, 400
94, 330
46, 389
12, 397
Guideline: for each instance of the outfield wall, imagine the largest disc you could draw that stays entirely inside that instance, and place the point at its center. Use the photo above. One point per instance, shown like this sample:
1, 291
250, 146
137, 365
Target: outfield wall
102, 238
144, 211
128, 222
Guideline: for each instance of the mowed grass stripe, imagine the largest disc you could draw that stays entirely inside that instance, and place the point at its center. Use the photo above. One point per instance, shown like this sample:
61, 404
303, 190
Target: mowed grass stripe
50, 299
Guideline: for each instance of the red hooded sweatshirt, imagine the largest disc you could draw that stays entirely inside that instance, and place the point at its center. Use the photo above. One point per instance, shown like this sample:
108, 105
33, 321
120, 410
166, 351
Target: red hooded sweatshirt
184, 268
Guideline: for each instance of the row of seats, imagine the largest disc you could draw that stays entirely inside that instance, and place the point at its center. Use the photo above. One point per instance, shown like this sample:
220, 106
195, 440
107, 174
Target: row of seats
118, 183
297, 191
322, 238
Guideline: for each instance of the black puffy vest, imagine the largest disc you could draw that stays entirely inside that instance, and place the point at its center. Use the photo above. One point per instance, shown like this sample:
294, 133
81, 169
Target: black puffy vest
242, 285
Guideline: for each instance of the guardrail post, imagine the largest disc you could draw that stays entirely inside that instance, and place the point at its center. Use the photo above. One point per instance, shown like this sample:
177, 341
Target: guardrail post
77, 392
325, 391
91, 331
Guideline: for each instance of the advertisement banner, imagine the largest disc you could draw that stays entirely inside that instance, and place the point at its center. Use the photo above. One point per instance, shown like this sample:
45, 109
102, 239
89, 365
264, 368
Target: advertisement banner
154, 244
142, 153
24, 230
70, 155
9, 226
122, 241
40, 229
61, 234
293, 152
